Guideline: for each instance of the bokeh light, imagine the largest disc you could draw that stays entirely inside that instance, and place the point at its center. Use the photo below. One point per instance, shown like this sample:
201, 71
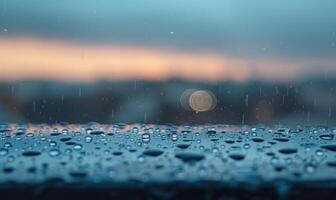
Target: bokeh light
198, 100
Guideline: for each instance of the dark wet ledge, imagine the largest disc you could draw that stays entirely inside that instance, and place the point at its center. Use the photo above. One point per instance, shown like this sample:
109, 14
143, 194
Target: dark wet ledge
120, 161
163, 191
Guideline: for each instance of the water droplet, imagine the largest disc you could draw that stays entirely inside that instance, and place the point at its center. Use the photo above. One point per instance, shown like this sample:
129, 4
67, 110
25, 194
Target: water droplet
237, 156
183, 145
8, 170
54, 152
117, 153
327, 137
141, 158
153, 152
310, 169
135, 130
319, 152
281, 139
174, 137
3, 152
96, 132
189, 157
331, 163
52, 143
65, 139
246, 146
330, 147
257, 140
145, 137
77, 147
31, 153
287, 151
7, 145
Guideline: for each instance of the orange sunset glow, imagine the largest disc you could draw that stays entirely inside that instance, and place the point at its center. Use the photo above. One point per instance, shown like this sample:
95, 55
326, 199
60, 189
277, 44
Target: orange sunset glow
23, 59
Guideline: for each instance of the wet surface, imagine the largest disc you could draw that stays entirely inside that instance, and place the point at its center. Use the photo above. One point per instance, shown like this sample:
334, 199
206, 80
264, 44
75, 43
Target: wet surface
127, 156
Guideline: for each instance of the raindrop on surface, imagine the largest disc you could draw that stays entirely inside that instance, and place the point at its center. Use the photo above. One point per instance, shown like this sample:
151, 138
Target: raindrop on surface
54, 152
3, 152
141, 159
310, 169
30, 135
117, 153
327, 137
257, 140
189, 157
7, 145
135, 130
65, 139
96, 132
229, 141
8, 170
145, 137
319, 152
281, 139
237, 156
65, 131
55, 134
153, 152
10, 159
70, 143
287, 151
31, 170
330, 147
331, 163
31, 153
247, 146
88, 139
183, 145
52, 143
174, 137
274, 160
77, 147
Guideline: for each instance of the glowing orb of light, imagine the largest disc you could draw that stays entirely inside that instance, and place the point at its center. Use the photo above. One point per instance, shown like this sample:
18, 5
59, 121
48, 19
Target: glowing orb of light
198, 100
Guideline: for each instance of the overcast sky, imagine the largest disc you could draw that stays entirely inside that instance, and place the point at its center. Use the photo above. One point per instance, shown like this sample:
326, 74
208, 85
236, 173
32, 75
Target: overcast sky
266, 29
286, 27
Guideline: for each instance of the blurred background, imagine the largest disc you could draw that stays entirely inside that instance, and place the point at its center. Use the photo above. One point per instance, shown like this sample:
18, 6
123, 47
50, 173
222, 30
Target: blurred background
148, 61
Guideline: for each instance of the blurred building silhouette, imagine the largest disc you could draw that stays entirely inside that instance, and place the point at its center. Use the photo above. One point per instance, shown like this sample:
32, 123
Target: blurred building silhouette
305, 102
